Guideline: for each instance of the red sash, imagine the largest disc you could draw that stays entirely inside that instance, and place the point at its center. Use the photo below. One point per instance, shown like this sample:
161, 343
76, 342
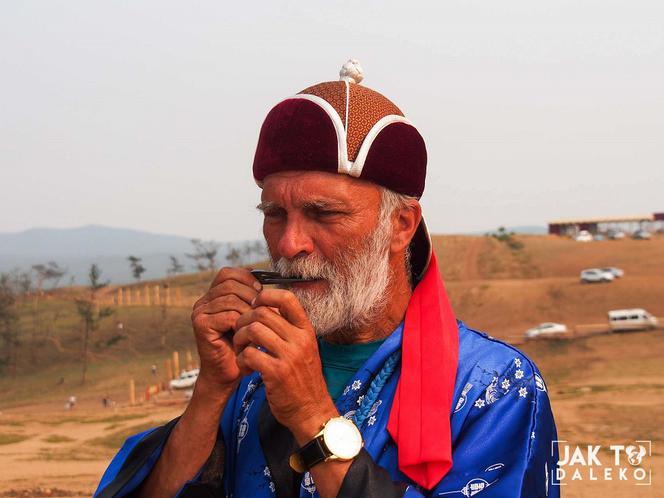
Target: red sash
420, 416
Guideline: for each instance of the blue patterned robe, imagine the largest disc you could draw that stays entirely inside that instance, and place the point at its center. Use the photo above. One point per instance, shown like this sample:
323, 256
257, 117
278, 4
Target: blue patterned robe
503, 437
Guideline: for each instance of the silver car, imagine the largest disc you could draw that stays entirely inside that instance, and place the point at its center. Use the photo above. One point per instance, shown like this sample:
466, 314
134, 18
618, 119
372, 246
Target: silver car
617, 272
546, 329
596, 275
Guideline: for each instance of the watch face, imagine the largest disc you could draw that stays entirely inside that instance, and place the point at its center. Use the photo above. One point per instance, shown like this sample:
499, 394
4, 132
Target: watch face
342, 438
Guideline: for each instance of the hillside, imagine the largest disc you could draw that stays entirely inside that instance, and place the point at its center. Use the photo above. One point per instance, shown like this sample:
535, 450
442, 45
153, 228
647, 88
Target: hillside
75, 249
600, 394
492, 288
504, 291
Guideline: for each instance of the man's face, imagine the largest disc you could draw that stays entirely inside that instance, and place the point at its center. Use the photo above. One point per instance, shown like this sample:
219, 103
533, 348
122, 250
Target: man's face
327, 226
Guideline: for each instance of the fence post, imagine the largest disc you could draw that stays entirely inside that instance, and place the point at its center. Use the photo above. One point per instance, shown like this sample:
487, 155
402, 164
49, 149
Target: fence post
169, 369
132, 392
176, 363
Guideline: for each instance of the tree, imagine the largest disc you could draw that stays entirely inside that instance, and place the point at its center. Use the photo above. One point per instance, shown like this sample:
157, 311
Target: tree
175, 268
45, 272
49, 271
205, 254
91, 314
137, 269
9, 341
234, 257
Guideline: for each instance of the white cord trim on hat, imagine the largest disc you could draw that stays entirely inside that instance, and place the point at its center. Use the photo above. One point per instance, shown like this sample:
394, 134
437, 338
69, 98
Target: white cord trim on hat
347, 105
358, 165
343, 165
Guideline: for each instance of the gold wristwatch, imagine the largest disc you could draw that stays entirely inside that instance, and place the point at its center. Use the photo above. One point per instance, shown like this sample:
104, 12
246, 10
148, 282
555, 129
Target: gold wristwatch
339, 439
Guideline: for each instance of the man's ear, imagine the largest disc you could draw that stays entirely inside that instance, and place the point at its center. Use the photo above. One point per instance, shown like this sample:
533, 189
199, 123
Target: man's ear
404, 223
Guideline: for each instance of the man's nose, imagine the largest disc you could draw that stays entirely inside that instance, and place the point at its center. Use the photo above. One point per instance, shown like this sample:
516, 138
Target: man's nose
294, 241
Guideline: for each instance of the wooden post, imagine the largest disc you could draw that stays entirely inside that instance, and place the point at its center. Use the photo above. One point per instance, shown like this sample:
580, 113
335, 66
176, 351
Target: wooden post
157, 296
120, 300
132, 392
147, 296
138, 296
168, 296
169, 369
190, 363
128, 297
178, 296
176, 363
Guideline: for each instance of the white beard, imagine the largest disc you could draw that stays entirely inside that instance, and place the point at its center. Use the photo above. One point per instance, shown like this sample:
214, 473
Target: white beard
358, 281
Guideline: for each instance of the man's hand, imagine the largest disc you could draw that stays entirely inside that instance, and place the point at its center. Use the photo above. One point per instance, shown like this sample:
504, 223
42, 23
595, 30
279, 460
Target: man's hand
214, 318
289, 361
192, 439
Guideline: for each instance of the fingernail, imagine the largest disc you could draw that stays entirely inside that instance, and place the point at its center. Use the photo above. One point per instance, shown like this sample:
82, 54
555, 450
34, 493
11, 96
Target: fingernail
258, 286
253, 301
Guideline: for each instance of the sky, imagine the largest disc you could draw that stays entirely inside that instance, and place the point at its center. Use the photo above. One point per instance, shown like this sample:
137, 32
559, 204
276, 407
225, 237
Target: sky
145, 114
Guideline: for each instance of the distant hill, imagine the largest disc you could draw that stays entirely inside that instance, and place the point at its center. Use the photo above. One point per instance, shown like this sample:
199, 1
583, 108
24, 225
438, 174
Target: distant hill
77, 248
522, 229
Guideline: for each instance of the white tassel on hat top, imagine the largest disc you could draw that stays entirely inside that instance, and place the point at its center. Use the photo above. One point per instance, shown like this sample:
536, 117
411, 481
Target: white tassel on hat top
351, 71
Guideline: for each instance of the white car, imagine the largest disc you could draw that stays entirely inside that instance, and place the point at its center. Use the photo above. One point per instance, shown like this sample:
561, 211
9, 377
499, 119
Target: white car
593, 275
186, 380
546, 329
615, 234
632, 319
617, 272
584, 236
641, 234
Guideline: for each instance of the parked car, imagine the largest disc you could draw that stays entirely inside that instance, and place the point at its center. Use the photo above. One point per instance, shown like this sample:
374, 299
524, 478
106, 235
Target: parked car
617, 272
545, 330
596, 275
598, 236
632, 319
584, 236
187, 379
641, 234
615, 234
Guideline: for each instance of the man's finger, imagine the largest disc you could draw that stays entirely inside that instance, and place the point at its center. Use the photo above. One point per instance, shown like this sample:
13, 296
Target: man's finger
228, 287
257, 334
287, 304
241, 275
241, 290
255, 360
219, 322
268, 317
224, 303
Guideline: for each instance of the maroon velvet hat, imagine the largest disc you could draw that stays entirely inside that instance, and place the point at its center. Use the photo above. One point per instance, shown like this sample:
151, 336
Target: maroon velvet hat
344, 127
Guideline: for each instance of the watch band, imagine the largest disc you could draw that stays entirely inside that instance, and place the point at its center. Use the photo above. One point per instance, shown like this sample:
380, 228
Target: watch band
314, 452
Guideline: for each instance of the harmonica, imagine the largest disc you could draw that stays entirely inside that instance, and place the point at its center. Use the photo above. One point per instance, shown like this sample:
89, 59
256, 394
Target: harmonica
276, 278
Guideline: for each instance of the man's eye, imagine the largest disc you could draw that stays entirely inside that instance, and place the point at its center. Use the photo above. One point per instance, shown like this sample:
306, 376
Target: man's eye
324, 214
274, 213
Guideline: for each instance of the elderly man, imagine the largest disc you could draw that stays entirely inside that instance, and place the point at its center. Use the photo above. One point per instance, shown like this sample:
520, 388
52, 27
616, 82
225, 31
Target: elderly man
356, 380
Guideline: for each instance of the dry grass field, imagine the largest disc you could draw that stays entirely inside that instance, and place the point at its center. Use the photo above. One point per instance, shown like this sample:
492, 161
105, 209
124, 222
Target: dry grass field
606, 389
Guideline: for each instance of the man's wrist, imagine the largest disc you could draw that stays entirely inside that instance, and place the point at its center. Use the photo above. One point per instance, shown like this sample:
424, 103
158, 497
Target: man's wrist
212, 392
310, 426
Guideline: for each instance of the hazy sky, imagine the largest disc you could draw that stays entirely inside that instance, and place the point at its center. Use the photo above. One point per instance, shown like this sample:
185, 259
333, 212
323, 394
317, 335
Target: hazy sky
145, 114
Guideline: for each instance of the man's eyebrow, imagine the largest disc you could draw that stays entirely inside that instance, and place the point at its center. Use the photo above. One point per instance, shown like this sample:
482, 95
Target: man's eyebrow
322, 204
266, 205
